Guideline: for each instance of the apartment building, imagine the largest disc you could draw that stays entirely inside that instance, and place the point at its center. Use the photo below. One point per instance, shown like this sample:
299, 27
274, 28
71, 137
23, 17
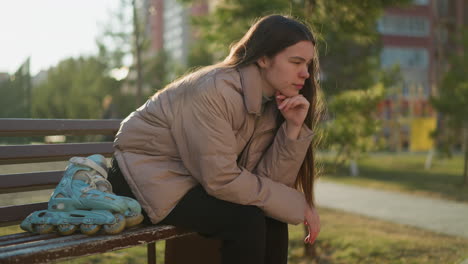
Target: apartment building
169, 26
417, 39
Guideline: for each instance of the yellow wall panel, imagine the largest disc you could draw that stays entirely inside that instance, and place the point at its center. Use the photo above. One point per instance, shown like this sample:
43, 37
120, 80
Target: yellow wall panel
420, 130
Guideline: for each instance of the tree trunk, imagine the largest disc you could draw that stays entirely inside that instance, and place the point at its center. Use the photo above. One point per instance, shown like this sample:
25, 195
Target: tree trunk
353, 168
465, 170
429, 158
136, 35
336, 160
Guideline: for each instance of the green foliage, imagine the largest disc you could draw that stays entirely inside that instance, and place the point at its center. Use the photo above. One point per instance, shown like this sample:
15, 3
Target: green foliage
156, 71
199, 55
452, 100
75, 88
15, 99
9, 101
353, 126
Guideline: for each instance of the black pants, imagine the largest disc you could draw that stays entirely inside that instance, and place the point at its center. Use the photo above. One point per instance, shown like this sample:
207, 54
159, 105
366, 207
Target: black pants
248, 235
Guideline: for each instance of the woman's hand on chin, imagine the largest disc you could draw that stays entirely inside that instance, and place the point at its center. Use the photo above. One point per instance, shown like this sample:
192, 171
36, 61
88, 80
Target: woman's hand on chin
294, 110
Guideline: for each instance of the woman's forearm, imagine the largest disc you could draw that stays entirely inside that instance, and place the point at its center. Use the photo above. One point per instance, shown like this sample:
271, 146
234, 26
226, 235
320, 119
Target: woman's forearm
292, 131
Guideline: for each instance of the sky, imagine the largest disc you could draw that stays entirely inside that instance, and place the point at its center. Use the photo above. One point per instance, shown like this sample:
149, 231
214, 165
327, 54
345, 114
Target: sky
49, 30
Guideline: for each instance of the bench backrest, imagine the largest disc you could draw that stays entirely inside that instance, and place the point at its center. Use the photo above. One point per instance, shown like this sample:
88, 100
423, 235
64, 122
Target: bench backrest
21, 154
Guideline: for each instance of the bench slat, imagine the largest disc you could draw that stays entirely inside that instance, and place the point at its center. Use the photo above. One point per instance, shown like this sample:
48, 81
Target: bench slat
29, 238
13, 236
21, 182
81, 245
35, 240
54, 152
16, 213
33, 127
19, 238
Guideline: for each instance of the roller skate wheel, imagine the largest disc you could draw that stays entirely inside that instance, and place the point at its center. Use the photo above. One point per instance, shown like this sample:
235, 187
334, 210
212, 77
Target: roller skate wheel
43, 228
116, 227
89, 229
66, 229
133, 220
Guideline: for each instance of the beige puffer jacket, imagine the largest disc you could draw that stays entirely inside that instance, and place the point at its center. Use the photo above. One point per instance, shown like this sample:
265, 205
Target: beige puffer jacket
211, 129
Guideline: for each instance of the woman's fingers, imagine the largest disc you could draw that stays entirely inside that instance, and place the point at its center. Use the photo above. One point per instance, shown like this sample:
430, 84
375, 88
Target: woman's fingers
313, 233
279, 98
313, 224
283, 104
292, 102
286, 103
310, 238
294, 109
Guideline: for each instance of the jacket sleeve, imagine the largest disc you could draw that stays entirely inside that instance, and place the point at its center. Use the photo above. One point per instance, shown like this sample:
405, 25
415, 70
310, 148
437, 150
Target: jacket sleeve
283, 159
207, 146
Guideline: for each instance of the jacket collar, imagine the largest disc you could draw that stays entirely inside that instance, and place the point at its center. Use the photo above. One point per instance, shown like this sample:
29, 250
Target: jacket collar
251, 83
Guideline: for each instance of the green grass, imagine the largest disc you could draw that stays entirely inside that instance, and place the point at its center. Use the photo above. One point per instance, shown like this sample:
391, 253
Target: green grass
404, 173
351, 239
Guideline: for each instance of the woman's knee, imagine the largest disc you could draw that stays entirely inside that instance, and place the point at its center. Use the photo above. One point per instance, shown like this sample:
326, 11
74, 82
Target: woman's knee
249, 223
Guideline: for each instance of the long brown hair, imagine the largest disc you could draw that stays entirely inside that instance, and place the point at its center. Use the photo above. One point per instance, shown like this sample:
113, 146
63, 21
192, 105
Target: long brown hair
267, 37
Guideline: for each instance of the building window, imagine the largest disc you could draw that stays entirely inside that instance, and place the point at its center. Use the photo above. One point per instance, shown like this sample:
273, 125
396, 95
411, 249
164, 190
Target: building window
427, 90
413, 26
405, 57
405, 89
442, 7
420, 2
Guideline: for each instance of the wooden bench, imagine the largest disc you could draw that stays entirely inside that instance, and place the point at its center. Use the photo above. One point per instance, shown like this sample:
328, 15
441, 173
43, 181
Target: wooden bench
33, 248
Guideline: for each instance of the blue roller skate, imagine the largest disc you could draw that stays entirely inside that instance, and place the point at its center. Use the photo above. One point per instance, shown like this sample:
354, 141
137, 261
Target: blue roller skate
83, 199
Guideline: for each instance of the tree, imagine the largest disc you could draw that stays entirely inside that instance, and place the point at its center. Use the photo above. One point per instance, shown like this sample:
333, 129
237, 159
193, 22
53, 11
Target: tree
452, 100
16, 94
352, 129
199, 55
115, 40
75, 88
123, 43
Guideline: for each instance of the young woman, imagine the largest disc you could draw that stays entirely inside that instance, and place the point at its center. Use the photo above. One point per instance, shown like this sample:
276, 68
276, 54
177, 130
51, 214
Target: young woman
226, 151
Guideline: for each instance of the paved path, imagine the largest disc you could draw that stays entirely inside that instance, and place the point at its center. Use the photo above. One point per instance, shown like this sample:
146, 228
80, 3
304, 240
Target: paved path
440, 216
